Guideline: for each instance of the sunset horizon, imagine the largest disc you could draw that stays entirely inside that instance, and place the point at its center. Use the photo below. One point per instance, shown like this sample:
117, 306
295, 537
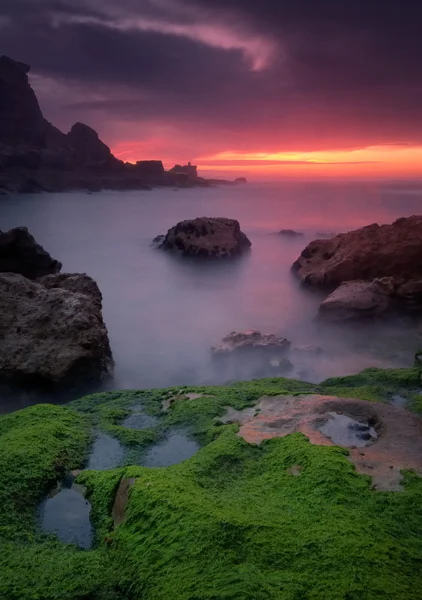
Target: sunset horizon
311, 89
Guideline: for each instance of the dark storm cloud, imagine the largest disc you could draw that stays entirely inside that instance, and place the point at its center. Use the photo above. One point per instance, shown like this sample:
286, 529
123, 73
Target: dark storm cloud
284, 75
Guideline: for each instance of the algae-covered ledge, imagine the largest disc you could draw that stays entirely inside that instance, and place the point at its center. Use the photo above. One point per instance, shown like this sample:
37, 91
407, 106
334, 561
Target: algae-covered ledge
282, 519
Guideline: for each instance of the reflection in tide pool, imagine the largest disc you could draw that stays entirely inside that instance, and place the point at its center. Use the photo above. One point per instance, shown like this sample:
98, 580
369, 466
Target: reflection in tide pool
106, 453
65, 513
176, 448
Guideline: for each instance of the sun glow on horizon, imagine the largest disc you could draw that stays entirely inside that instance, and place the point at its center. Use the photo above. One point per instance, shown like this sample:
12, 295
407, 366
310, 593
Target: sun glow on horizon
394, 160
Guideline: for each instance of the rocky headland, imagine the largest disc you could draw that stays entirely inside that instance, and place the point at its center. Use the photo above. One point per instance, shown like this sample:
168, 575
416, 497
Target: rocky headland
35, 156
372, 271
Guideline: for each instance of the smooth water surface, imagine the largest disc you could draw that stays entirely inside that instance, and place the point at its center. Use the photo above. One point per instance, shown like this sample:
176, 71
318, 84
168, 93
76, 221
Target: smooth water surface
176, 448
65, 513
106, 453
163, 313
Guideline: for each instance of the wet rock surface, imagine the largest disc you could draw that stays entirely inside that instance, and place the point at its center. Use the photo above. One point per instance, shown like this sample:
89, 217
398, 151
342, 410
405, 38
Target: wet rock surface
65, 513
207, 237
393, 441
121, 500
20, 253
51, 334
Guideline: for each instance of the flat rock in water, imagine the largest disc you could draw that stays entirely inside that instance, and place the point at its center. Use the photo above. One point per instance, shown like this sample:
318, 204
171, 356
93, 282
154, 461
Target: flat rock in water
250, 340
290, 233
213, 237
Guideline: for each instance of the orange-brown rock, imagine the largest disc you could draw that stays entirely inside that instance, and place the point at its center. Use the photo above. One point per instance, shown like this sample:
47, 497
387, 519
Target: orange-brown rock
396, 444
371, 252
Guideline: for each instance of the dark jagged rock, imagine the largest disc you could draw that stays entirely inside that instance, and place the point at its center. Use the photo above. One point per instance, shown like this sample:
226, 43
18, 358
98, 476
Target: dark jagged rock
52, 334
215, 237
21, 120
20, 253
150, 168
89, 151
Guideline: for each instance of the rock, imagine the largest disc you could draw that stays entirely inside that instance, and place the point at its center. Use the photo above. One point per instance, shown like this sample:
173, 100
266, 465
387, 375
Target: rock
20, 253
215, 237
89, 150
370, 252
281, 366
357, 299
51, 334
151, 169
158, 241
78, 283
252, 340
409, 295
290, 233
21, 120
241, 180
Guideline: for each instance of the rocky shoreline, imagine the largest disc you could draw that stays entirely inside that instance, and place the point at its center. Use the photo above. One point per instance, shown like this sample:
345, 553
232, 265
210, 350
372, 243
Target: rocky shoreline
290, 484
36, 157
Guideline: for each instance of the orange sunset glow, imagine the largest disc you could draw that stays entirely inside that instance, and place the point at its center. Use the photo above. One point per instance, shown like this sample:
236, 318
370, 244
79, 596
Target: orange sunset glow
395, 160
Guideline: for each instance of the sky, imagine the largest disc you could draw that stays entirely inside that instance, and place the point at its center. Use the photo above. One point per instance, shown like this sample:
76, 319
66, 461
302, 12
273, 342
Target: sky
274, 88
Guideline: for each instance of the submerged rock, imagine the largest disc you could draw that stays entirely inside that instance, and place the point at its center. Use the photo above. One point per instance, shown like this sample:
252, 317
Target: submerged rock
215, 237
51, 333
357, 299
20, 253
291, 233
251, 340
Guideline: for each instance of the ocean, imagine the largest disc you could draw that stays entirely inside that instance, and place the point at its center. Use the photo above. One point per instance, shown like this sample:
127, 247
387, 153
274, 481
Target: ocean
163, 312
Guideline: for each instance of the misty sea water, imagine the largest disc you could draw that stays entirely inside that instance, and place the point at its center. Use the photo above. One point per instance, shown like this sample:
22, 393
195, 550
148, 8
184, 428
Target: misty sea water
164, 312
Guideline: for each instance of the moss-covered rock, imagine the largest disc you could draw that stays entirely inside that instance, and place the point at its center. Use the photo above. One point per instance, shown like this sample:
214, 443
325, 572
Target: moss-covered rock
283, 520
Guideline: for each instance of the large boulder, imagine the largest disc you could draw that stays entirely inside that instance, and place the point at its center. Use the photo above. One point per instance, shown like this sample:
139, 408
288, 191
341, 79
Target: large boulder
370, 252
358, 299
20, 253
52, 333
89, 151
215, 237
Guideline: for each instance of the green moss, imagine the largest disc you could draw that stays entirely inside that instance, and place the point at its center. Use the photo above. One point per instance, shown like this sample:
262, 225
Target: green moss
37, 445
232, 522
